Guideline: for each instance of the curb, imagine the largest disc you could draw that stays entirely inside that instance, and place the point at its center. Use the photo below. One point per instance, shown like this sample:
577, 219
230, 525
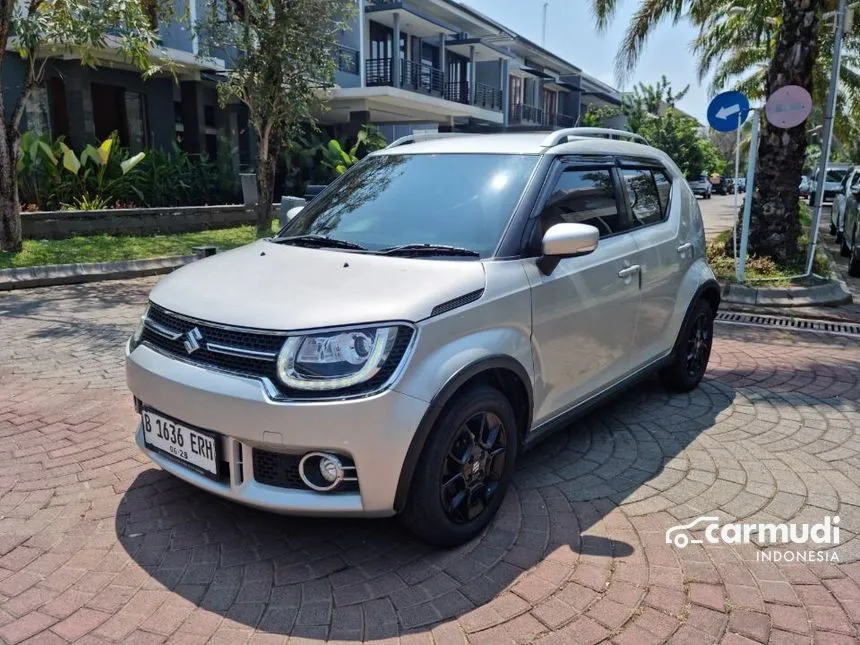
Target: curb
56, 274
823, 295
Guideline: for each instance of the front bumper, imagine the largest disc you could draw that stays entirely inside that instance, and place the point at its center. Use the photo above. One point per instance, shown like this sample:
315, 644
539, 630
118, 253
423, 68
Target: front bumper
374, 431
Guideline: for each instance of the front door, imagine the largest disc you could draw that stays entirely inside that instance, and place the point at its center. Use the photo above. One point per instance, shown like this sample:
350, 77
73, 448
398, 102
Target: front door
584, 312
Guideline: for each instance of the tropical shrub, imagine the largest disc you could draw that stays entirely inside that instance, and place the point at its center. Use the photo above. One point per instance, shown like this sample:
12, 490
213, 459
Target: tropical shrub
53, 177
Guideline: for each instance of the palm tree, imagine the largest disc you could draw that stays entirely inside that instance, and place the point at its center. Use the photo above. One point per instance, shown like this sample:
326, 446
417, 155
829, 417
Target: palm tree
737, 46
774, 225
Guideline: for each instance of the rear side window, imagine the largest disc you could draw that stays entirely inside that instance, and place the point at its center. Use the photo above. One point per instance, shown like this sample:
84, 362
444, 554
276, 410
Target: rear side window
664, 190
584, 197
644, 197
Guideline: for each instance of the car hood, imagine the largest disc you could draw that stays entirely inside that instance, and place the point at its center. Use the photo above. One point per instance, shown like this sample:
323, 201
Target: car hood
284, 287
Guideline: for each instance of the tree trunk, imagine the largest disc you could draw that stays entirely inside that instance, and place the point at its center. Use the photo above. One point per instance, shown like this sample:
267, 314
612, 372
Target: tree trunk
10, 209
774, 221
265, 185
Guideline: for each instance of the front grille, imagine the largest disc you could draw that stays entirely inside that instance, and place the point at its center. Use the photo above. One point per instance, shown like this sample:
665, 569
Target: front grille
282, 470
261, 342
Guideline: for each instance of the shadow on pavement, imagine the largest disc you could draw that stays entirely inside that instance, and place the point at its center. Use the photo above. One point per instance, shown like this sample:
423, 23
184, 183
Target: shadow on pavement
364, 579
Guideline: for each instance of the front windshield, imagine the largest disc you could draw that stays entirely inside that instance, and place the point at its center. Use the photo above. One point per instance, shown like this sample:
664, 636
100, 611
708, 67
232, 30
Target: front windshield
462, 200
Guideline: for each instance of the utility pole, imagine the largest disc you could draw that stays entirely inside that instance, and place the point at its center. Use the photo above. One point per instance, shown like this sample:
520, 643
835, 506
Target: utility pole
543, 31
827, 135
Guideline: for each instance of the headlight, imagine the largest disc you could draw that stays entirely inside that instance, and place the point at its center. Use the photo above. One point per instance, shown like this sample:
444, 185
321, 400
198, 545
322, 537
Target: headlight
138, 331
335, 360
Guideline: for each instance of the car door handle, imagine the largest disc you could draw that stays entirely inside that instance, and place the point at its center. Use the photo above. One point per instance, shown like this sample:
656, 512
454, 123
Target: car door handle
685, 247
627, 272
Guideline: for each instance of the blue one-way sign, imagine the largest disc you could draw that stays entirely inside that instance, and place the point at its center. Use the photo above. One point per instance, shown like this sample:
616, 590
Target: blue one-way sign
728, 111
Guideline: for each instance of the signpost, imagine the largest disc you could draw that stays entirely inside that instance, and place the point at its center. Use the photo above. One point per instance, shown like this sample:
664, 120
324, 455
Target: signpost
726, 112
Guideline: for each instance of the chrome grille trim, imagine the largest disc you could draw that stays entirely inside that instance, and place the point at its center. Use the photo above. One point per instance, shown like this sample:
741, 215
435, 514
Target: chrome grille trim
241, 352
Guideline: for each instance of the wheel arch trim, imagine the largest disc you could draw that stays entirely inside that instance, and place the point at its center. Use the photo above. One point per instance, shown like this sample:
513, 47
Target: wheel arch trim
437, 405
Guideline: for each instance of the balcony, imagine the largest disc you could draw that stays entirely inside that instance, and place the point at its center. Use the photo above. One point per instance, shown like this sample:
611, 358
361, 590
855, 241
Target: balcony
559, 120
419, 77
525, 114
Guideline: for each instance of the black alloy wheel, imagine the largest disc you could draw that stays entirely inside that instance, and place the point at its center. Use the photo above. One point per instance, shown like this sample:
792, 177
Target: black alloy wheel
474, 467
699, 346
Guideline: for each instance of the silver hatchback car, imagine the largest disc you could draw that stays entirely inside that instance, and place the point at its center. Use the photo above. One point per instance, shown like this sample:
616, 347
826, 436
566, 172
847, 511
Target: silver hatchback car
435, 311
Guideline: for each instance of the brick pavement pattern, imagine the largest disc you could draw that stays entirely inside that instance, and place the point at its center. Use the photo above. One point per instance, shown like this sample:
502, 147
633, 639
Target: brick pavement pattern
99, 546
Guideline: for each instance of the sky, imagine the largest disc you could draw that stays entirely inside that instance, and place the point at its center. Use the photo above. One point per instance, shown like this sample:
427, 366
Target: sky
571, 34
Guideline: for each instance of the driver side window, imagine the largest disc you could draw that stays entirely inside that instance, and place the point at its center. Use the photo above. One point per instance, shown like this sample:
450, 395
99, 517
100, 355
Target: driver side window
584, 197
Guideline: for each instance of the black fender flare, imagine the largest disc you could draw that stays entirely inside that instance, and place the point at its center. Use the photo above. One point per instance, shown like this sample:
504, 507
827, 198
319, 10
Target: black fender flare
437, 405
709, 285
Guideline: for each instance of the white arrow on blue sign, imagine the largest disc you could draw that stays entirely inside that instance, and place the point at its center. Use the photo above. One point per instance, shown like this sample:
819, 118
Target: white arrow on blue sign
727, 111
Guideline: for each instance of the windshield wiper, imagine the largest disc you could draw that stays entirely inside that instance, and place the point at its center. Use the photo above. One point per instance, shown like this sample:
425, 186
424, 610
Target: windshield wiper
318, 241
429, 249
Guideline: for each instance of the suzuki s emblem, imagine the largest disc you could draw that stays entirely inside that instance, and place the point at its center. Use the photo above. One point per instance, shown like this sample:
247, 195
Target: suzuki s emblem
192, 340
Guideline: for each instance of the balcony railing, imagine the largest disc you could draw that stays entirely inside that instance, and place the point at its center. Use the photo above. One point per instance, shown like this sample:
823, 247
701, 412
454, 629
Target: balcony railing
459, 92
413, 76
523, 113
378, 71
425, 78
488, 97
559, 120
347, 60
421, 77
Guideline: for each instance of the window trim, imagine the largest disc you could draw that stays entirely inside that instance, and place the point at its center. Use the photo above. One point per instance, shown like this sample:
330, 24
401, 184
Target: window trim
652, 168
560, 165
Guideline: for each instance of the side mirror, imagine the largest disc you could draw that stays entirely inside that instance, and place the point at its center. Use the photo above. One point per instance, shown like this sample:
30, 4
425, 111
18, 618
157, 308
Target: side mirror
566, 241
295, 210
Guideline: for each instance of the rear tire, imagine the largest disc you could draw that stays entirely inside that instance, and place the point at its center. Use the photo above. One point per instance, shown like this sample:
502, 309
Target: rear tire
692, 351
844, 249
854, 258
465, 468
834, 230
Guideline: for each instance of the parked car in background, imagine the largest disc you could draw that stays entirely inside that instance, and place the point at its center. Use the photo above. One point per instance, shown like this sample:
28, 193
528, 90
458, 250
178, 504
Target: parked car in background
803, 190
850, 184
742, 184
728, 184
700, 185
438, 328
831, 184
849, 243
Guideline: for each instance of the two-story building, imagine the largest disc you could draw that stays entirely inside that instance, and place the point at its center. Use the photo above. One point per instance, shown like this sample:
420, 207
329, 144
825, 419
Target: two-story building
452, 69
86, 104
403, 65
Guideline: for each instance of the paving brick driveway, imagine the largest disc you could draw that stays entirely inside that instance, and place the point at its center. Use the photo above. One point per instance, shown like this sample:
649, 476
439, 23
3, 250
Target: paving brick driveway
97, 545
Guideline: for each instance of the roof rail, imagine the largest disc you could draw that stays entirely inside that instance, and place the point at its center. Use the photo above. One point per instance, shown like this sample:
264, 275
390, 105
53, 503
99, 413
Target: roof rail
560, 136
414, 138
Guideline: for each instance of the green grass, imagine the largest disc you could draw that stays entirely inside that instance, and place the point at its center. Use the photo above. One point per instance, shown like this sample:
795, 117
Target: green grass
109, 248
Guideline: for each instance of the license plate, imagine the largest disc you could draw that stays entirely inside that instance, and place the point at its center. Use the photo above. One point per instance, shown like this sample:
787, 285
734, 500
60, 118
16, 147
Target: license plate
185, 444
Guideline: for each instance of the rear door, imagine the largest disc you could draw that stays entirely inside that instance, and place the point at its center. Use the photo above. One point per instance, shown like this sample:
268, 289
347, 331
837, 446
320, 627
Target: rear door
664, 240
584, 312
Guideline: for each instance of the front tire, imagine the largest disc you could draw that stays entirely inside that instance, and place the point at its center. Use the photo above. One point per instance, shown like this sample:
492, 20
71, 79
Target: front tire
465, 468
692, 352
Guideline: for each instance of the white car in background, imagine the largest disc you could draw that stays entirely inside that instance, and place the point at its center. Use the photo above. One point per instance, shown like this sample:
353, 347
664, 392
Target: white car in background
832, 182
850, 185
